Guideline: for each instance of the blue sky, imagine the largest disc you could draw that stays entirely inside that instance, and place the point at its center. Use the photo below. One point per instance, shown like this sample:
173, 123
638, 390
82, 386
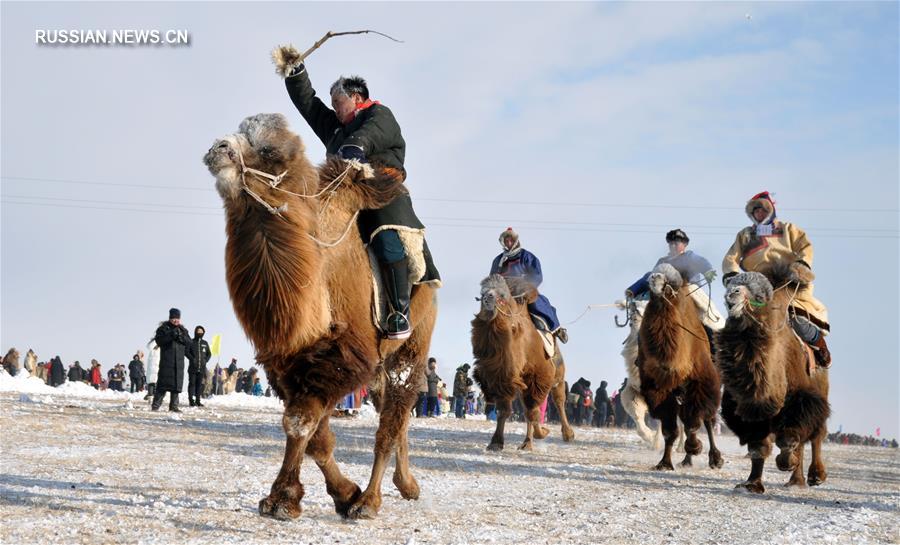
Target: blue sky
621, 120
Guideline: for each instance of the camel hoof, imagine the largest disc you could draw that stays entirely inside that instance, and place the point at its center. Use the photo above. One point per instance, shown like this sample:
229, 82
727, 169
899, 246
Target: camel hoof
541, 432
715, 459
686, 462
786, 461
815, 479
408, 490
664, 466
495, 447
795, 482
527, 446
280, 510
753, 486
342, 507
361, 511
568, 435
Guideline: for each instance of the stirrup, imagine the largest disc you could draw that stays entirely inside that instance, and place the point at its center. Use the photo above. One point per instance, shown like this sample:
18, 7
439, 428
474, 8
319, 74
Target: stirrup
397, 326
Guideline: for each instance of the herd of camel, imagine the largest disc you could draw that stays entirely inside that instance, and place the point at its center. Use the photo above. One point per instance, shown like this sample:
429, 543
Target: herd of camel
293, 266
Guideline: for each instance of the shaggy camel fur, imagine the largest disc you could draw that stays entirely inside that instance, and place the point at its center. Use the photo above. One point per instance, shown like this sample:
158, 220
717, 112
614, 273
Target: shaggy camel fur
510, 359
11, 362
678, 379
770, 385
300, 283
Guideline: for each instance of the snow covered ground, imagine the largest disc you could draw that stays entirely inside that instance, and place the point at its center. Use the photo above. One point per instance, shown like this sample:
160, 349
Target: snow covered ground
80, 466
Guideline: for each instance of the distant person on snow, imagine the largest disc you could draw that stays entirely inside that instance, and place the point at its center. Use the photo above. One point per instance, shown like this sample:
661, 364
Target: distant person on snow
174, 346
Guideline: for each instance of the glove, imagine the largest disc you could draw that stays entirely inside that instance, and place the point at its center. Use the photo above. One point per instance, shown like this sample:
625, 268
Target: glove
297, 70
350, 152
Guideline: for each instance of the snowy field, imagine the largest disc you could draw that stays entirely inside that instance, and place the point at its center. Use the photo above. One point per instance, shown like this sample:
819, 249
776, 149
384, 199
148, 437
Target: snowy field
80, 466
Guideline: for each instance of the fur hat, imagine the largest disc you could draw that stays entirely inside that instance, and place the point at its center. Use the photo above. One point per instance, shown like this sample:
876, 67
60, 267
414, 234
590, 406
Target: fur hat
761, 200
677, 235
174, 313
509, 233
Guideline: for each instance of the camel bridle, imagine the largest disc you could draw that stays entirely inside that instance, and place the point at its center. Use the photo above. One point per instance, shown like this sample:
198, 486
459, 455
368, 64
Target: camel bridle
273, 181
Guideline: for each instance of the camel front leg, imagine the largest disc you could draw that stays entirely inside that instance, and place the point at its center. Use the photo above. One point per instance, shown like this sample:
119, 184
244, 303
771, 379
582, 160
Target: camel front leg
399, 396
341, 489
759, 451
692, 444
797, 478
715, 456
817, 473
300, 421
533, 428
669, 423
558, 393
504, 409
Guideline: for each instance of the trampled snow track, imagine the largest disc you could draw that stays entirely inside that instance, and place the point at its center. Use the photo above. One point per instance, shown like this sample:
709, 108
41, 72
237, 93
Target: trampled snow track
77, 469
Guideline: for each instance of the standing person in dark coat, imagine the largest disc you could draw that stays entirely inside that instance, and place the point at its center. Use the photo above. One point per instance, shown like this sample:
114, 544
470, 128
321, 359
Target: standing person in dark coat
57, 372
602, 405
76, 373
433, 407
361, 129
136, 372
232, 367
200, 354
461, 384
174, 345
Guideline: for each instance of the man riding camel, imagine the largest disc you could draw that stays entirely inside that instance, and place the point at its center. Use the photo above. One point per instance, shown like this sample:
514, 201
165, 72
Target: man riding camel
770, 241
698, 272
516, 261
358, 128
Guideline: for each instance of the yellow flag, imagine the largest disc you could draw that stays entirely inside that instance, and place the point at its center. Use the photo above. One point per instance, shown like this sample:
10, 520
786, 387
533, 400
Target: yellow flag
215, 345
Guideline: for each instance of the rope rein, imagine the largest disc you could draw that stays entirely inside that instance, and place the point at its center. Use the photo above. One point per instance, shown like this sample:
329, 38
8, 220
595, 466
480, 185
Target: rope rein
274, 181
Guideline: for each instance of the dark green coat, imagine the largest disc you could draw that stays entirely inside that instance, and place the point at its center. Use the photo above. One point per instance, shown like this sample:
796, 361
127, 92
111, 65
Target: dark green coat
374, 129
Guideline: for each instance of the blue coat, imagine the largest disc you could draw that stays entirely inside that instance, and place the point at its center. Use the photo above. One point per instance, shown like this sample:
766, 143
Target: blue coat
526, 265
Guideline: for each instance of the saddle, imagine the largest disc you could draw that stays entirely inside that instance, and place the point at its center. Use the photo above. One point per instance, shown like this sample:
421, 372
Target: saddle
549, 340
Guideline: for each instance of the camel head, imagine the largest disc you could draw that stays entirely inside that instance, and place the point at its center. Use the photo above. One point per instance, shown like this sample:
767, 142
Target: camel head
504, 295
665, 278
262, 143
748, 289
495, 295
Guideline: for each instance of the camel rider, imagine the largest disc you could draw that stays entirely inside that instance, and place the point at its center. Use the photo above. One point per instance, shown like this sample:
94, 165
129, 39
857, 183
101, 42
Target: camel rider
698, 272
358, 128
767, 242
516, 261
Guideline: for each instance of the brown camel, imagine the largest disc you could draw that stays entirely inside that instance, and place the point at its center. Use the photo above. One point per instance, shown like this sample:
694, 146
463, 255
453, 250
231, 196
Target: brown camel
678, 379
771, 384
300, 282
510, 359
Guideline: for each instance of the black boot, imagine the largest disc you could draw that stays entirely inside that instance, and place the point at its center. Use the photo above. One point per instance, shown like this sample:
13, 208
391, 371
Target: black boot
396, 282
562, 335
173, 403
157, 400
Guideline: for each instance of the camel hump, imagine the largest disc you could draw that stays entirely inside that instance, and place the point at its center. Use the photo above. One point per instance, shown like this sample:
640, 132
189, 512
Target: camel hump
374, 187
522, 289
